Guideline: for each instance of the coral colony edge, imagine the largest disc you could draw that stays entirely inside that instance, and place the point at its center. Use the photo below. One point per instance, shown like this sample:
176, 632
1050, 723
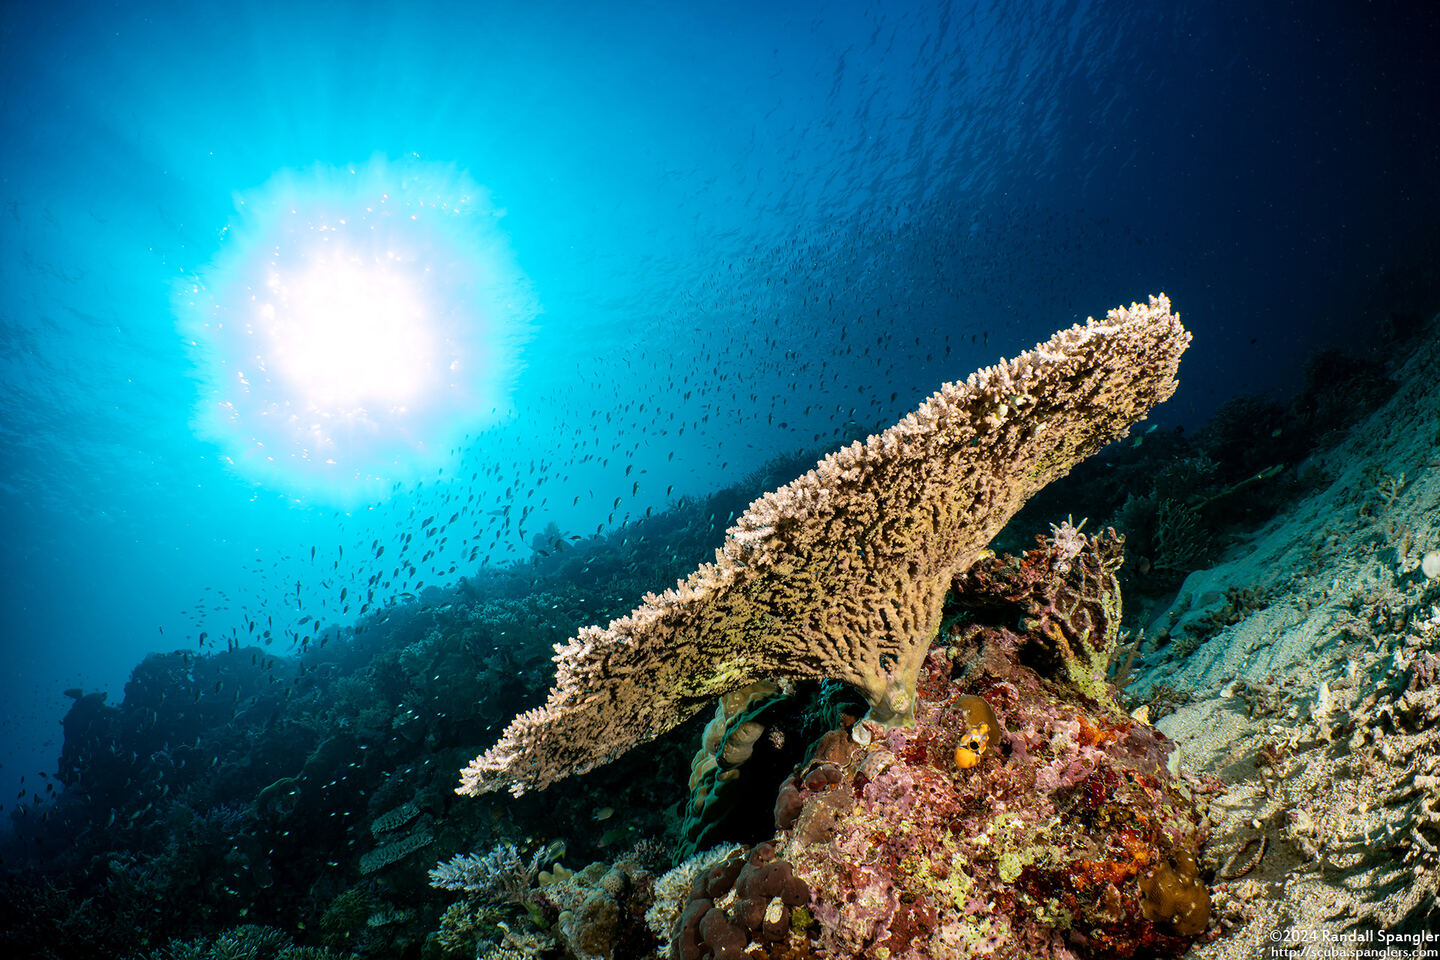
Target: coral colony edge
992, 799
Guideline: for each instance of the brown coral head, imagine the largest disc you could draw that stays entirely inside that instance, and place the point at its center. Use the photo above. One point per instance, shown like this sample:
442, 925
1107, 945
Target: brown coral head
788, 804
1173, 895
765, 889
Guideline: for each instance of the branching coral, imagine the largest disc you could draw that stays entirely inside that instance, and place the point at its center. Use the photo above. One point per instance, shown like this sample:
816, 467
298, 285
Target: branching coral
1069, 600
841, 573
501, 875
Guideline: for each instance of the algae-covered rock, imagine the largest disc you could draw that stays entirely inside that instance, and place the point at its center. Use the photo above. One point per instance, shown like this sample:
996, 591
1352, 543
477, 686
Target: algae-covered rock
1068, 836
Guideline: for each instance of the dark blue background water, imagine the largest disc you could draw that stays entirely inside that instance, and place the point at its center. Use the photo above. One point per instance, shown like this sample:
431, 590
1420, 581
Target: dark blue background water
762, 226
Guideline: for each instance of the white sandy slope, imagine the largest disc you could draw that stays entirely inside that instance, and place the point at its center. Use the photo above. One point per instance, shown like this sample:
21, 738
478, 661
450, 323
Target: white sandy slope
1341, 612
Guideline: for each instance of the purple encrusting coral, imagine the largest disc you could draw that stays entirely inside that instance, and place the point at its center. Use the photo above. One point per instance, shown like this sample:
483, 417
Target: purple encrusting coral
1068, 838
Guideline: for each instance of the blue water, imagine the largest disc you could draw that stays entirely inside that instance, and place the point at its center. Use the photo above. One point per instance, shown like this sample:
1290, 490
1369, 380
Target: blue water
739, 232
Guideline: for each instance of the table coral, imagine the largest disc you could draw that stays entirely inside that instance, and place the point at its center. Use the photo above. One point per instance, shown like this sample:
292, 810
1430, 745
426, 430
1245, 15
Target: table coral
841, 574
